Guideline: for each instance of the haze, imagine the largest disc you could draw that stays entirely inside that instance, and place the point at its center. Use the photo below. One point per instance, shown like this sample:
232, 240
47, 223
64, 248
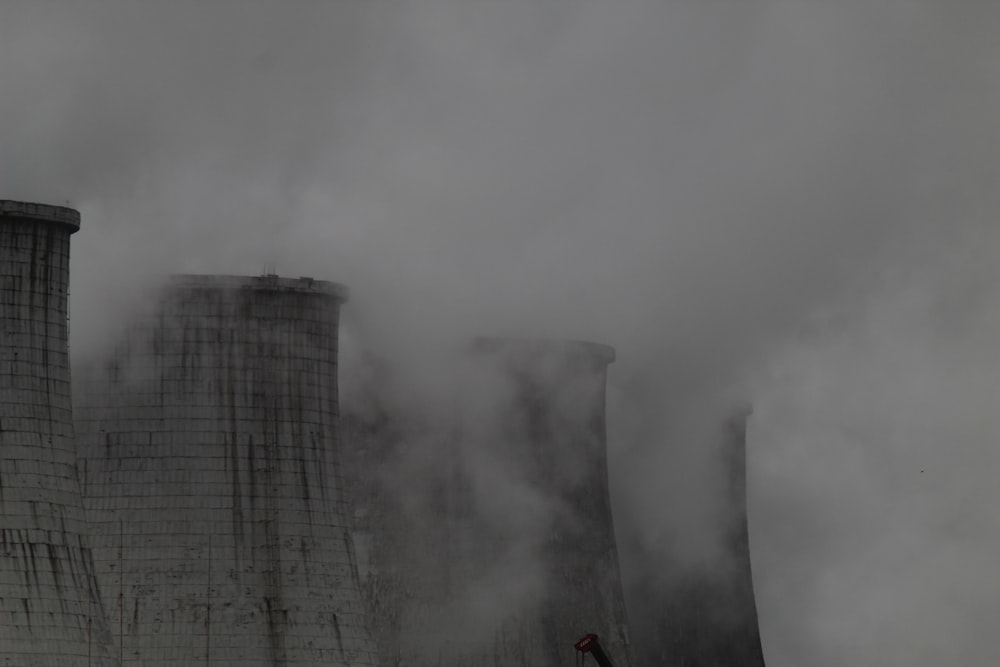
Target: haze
787, 202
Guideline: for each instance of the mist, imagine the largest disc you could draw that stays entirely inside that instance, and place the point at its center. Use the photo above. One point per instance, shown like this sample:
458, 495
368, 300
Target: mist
788, 204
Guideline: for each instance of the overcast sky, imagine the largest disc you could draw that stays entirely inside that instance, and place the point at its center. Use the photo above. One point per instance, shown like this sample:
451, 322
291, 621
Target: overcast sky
791, 201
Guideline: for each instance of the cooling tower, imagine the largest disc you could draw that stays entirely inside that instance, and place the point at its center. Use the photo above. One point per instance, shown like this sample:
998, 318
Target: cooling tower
706, 618
50, 610
492, 541
211, 476
551, 434
389, 568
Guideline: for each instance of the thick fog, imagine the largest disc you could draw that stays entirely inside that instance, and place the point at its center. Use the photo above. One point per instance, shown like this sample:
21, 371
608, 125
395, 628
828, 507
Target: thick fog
787, 203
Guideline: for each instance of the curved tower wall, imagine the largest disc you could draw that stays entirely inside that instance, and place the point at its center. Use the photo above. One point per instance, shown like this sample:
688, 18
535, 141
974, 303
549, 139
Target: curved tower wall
50, 610
491, 537
209, 456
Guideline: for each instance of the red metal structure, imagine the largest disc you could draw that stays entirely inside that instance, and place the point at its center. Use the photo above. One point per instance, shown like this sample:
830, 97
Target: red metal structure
590, 644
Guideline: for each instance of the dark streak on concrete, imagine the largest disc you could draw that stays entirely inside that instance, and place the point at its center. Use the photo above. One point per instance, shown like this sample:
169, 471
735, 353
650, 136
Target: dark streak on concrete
340, 638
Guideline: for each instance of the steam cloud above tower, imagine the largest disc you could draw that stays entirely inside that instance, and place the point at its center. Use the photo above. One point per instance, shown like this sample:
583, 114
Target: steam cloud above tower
793, 200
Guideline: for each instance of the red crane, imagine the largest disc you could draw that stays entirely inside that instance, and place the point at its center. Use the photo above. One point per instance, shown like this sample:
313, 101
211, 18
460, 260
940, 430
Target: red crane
590, 644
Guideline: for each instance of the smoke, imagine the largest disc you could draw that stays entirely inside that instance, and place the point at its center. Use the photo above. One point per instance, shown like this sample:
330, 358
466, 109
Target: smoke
474, 480
874, 465
766, 202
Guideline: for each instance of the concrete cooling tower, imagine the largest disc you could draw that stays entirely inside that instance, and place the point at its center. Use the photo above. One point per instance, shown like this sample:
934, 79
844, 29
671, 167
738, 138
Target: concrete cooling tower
551, 435
706, 619
50, 610
491, 538
209, 459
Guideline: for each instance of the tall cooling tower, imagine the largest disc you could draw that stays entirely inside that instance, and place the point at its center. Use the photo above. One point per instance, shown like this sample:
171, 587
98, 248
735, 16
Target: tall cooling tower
50, 610
495, 546
709, 618
552, 436
210, 465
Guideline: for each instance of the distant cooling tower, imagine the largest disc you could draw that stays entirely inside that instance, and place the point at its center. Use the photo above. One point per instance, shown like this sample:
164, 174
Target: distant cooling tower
50, 610
706, 619
552, 435
496, 547
210, 465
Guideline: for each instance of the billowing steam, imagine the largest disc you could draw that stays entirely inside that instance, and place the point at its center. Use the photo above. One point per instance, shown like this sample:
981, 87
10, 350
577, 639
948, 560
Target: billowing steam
782, 202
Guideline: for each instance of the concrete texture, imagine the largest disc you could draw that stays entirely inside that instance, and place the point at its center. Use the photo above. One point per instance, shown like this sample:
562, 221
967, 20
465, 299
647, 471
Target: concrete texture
706, 619
209, 460
50, 611
490, 540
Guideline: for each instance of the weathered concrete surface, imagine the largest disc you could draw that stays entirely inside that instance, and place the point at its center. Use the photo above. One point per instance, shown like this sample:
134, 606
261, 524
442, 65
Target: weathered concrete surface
490, 539
50, 611
708, 618
211, 476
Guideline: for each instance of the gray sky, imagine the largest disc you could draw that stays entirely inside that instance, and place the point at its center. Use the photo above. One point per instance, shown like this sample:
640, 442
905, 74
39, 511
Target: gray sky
791, 200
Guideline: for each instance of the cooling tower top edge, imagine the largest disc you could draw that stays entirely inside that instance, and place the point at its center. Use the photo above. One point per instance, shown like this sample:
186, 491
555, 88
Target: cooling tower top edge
23, 210
599, 351
270, 282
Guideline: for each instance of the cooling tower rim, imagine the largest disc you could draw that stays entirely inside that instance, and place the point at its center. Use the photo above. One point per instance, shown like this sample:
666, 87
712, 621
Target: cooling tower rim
267, 283
35, 212
598, 351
